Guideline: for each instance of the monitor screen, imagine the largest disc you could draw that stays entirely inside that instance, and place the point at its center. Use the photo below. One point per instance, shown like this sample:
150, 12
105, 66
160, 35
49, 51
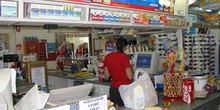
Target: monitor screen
147, 61
143, 61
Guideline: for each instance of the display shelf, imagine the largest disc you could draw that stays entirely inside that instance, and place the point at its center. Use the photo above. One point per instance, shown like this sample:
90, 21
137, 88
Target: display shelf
8, 21
105, 6
41, 22
85, 20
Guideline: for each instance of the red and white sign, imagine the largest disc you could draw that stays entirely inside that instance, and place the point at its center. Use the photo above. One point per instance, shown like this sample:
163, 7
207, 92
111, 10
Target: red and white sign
18, 46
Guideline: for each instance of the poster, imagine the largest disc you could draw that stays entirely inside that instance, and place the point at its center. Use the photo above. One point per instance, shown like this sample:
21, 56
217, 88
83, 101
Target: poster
8, 9
98, 103
38, 76
151, 5
175, 7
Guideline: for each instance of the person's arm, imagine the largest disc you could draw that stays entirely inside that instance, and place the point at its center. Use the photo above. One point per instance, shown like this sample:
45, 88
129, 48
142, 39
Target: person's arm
128, 68
106, 73
129, 73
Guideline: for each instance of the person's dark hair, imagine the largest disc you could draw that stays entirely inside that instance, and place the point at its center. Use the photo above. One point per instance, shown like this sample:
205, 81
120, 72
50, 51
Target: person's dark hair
121, 42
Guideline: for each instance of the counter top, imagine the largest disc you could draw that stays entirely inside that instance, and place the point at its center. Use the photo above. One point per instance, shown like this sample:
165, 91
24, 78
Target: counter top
86, 79
199, 104
209, 103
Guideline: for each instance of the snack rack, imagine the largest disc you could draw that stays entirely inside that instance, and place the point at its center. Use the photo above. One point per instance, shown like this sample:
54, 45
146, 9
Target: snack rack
172, 88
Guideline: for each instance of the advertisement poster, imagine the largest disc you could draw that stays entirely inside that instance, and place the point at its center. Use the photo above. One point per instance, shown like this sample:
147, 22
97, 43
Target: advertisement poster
8, 9
176, 7
38, 76
151, 5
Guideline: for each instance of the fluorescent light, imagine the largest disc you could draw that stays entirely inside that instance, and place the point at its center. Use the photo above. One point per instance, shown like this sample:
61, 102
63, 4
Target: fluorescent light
191, 2
208, 10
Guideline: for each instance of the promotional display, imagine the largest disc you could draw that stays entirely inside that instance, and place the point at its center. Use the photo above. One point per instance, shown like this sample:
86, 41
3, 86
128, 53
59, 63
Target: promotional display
149, 19
54, 12
109, 16
8, 9
176, 7
211, 18
30, 47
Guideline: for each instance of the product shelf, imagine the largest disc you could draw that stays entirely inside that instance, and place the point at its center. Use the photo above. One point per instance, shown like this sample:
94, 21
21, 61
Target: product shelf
85, 20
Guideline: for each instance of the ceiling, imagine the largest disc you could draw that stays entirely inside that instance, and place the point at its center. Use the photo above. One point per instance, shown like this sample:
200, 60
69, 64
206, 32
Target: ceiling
194, 8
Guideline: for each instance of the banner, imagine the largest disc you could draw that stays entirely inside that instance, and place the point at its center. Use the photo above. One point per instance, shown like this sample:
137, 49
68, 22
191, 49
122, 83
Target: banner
176, 7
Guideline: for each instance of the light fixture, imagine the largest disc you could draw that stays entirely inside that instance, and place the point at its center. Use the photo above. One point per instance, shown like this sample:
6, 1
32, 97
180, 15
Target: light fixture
208, 10
198, 8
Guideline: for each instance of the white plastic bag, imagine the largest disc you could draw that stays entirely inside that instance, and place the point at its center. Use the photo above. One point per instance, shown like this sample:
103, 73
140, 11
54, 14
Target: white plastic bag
139, 94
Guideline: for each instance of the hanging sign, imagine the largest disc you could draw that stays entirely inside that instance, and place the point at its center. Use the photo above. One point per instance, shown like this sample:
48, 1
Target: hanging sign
192, 18
109, 16
176, 7
99, 103
210, 4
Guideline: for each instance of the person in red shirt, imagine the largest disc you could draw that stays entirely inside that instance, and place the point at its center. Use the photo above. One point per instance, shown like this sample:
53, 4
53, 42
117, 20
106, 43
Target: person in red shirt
117, 66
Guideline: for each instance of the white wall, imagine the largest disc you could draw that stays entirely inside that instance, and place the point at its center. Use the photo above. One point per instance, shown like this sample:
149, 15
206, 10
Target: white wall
216, 33
10, 31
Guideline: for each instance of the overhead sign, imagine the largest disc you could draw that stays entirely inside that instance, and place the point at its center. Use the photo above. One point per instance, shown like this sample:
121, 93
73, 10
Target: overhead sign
192, 18
176, 7
210, 4
99, 103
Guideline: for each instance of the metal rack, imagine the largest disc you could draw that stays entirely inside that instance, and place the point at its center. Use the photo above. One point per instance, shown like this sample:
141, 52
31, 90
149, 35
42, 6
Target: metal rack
200, 50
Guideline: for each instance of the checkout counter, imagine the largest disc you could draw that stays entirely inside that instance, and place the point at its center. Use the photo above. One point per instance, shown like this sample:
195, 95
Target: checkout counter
211, 102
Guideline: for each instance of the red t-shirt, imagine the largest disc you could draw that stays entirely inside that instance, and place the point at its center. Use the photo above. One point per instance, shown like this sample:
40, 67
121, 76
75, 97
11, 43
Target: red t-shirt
116, 63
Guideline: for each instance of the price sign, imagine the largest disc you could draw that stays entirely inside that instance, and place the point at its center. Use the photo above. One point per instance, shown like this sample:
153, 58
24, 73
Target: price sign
68, 8
98, 103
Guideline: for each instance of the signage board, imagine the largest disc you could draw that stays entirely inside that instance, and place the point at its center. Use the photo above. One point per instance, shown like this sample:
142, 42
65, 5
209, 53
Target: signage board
192, 18
175, 7
98, 103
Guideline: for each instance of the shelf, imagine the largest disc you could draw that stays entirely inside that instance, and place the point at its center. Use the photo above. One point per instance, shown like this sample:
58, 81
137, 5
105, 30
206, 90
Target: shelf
197, 25
8, 21
85, 13
69, 23
41, 22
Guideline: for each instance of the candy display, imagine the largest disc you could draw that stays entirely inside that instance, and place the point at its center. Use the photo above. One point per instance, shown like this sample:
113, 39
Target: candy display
179, 66
172, 80
172, 85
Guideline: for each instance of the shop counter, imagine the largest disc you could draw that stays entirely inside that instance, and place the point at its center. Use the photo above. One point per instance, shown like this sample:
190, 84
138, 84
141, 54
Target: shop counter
86, 79
56, 80
211, 102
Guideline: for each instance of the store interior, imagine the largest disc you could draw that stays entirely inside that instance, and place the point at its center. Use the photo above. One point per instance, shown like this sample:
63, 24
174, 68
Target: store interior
52, 53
